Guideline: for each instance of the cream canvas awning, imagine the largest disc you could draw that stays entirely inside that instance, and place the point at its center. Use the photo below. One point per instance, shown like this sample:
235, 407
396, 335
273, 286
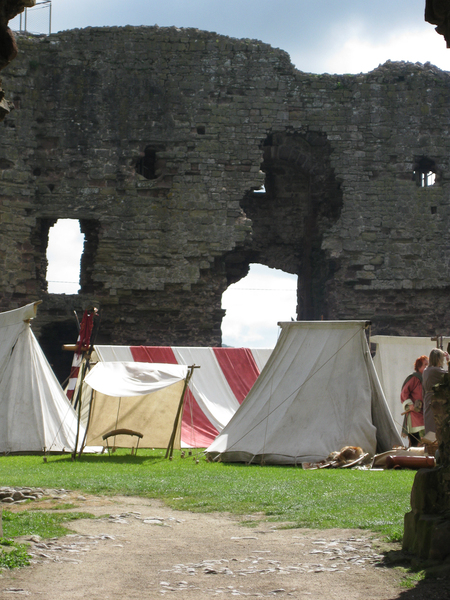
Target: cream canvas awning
137, 396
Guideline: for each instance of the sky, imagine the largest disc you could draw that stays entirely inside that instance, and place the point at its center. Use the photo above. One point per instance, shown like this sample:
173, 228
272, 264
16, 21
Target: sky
321, 36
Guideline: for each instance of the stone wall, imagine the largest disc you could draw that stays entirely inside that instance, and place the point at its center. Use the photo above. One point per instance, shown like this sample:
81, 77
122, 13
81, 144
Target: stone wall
8, 48
156, 140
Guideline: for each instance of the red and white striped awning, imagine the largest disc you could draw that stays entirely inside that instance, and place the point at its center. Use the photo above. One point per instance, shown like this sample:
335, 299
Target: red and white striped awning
216, 390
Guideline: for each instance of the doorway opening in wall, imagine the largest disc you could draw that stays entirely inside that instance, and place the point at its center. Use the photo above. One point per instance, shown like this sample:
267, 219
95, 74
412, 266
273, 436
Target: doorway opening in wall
255, 304
64, 251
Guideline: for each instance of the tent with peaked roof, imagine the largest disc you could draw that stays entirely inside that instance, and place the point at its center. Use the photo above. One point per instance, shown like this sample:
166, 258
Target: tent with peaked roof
35, 415
317, 393
215, 391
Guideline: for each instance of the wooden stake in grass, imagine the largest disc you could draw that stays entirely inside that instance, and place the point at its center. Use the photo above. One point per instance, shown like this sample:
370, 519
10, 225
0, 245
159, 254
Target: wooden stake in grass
169, 451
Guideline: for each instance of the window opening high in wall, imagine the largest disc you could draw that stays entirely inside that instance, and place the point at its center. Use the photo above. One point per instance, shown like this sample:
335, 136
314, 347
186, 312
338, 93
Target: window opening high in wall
424, 172
64, 251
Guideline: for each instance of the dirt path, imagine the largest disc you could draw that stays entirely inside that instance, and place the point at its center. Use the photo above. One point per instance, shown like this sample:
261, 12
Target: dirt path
140, 549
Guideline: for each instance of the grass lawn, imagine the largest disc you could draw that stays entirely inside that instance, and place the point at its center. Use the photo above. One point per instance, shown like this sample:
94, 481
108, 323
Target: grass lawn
375, 500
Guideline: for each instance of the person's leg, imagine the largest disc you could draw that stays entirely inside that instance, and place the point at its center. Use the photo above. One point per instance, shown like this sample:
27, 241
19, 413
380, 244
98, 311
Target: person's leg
413, 439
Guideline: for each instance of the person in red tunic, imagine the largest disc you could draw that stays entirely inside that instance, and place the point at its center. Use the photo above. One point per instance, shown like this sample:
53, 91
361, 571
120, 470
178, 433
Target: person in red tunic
412, 402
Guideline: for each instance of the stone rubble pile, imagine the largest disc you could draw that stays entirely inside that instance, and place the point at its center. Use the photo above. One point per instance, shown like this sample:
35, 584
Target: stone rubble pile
18, 495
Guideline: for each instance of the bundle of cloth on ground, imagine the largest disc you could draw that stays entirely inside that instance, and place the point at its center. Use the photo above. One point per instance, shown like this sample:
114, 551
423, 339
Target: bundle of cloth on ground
351, 457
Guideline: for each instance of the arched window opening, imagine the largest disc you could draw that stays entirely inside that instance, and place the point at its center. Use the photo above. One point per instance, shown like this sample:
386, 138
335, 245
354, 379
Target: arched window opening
424, 172
64, 251
255, 304
149, 165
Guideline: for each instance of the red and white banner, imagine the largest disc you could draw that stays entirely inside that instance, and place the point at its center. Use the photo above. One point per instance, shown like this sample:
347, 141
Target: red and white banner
83, 342
216, 390
73, 377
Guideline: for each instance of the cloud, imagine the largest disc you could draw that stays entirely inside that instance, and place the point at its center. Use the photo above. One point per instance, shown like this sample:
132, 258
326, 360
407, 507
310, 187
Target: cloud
313, 33
324, 36
360, 55
256, 304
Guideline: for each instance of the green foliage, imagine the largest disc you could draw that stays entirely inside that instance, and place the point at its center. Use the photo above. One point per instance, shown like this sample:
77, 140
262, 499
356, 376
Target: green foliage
411, 579
15, 557
44, 524
374, 500
6, 542
65, 506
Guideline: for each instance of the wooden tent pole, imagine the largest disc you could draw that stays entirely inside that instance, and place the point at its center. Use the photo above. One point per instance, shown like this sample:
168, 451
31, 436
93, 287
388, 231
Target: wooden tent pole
86, 368
169, 451
78, 400
82, 445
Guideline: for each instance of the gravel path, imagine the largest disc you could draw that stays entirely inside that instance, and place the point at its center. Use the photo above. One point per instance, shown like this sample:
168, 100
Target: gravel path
139, 549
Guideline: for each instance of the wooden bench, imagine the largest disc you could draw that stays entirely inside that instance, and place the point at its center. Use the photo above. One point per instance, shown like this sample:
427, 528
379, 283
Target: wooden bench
115, 432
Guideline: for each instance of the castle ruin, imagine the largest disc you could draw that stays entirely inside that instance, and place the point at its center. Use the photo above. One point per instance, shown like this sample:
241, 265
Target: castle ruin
186, 155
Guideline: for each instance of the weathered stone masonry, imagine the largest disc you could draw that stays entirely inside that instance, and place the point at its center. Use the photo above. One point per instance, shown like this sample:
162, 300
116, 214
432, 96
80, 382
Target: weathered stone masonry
8, 48
156, 140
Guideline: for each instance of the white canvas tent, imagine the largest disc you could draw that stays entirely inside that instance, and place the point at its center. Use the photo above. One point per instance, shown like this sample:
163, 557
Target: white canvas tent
136, 396
35, 415
394, 361
317, 393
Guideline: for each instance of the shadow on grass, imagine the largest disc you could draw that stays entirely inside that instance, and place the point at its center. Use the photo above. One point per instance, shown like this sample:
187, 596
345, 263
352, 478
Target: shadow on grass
255, 465
423, 581
113, 459
428, 589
